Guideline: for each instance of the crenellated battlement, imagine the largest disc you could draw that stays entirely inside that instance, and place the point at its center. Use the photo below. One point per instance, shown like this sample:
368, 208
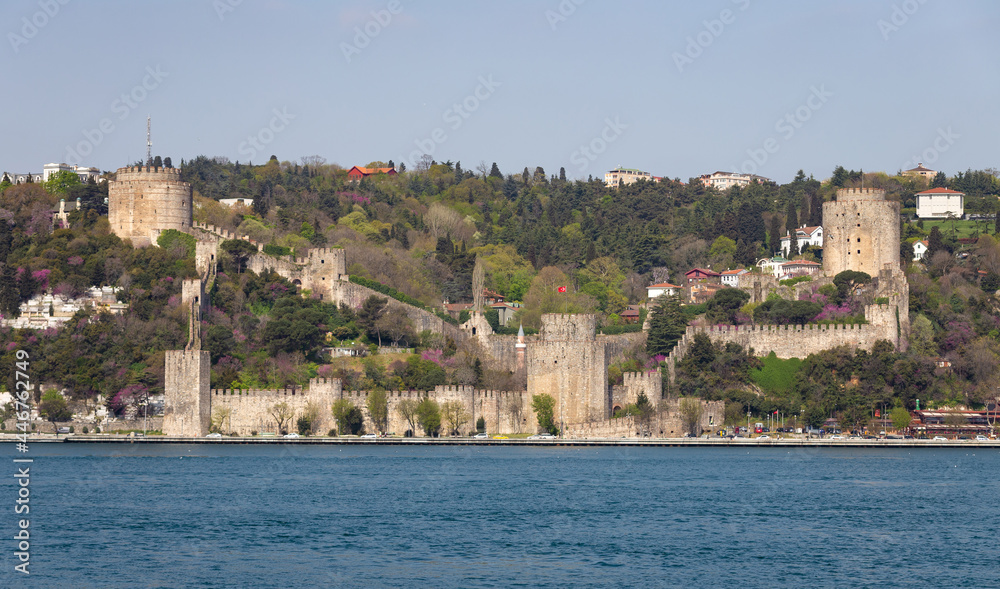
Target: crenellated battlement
568, 327
860, 194
141, 172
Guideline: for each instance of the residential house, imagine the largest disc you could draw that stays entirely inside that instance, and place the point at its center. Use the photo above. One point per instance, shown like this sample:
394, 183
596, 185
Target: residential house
805, 236
505, 312
702, 275
795, 268
921, 172
726, 180
940, 203
919, 249
732, 277
771, 265
356, 173
702, 291
630, 315
625, 176
84, 174
664, 288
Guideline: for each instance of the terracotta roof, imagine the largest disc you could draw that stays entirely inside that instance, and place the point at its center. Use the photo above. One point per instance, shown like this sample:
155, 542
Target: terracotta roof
703, 271
940, 191
920, 168
370, 171
663, 285
801, 263
736, 271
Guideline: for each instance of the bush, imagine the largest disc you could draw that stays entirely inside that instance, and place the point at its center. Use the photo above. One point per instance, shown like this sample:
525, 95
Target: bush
794, 281
277, 250
71, 428
168, 238
617, 329
253, 432
86, 430
97, 430
332, 433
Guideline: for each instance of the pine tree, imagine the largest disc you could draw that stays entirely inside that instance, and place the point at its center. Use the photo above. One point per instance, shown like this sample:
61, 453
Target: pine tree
495, 171
774, 237
666, 325
10, 301
791, 219
562, 174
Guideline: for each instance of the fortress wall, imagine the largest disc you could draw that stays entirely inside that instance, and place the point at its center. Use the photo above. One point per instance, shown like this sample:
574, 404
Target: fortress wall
634, 383
665, 423
354, 295
252, 409
617, 345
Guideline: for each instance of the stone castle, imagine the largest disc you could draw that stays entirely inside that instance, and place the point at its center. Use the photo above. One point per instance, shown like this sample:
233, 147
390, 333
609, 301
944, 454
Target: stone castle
567, 360
862, 234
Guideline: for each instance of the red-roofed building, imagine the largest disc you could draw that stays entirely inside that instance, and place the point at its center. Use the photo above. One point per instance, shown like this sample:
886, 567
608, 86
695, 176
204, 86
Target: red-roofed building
357, 172
732, 277
697, 275
921, 172
919, 249
799, 268
940, 203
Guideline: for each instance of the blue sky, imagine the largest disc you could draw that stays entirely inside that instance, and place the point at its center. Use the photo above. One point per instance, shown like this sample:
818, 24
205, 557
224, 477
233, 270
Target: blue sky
674, 88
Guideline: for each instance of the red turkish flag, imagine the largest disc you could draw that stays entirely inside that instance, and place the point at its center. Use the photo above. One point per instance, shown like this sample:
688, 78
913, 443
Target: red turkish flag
562, 289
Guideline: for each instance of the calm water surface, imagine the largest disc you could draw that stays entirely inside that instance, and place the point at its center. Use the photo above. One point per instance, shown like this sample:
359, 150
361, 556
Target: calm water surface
306, 516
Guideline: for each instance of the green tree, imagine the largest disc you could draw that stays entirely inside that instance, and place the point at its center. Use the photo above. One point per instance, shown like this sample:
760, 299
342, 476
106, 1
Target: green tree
774, 235
53, 407
378, 409
495, 171
343, 411
544, 406
666, 325
429, 416
10, 296
61, 182
722, 307
480, 425
371, 311
935, 243
900, 418
239, 253
454, 415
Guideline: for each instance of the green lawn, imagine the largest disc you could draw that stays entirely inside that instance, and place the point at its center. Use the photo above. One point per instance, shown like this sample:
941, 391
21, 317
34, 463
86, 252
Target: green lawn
962, 228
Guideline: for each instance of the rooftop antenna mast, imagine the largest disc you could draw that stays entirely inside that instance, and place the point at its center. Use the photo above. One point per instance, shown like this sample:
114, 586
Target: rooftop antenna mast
149, 144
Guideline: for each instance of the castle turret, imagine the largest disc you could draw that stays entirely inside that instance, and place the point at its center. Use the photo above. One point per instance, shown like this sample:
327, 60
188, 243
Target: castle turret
142, 201
862, 232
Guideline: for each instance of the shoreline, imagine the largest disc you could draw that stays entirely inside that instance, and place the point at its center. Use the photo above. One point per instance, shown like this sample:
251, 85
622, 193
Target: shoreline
458, 441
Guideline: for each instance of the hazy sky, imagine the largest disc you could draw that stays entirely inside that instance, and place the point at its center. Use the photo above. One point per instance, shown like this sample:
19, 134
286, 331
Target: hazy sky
674, 88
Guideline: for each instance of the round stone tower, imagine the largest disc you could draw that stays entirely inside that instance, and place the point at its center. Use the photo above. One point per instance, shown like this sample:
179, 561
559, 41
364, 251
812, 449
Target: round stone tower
145, 200
861, 232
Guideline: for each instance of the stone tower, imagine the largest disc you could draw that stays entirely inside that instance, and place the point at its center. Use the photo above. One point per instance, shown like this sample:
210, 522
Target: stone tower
571, 365
862, 232
145, 200
187, 399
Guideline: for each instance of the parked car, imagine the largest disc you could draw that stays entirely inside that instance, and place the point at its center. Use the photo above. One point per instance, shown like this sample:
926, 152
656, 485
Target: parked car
500, 438
291, 435
939, 439
982, 438
369, 436
481, 436
836, 437
214, 435
764, 437
63, 430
